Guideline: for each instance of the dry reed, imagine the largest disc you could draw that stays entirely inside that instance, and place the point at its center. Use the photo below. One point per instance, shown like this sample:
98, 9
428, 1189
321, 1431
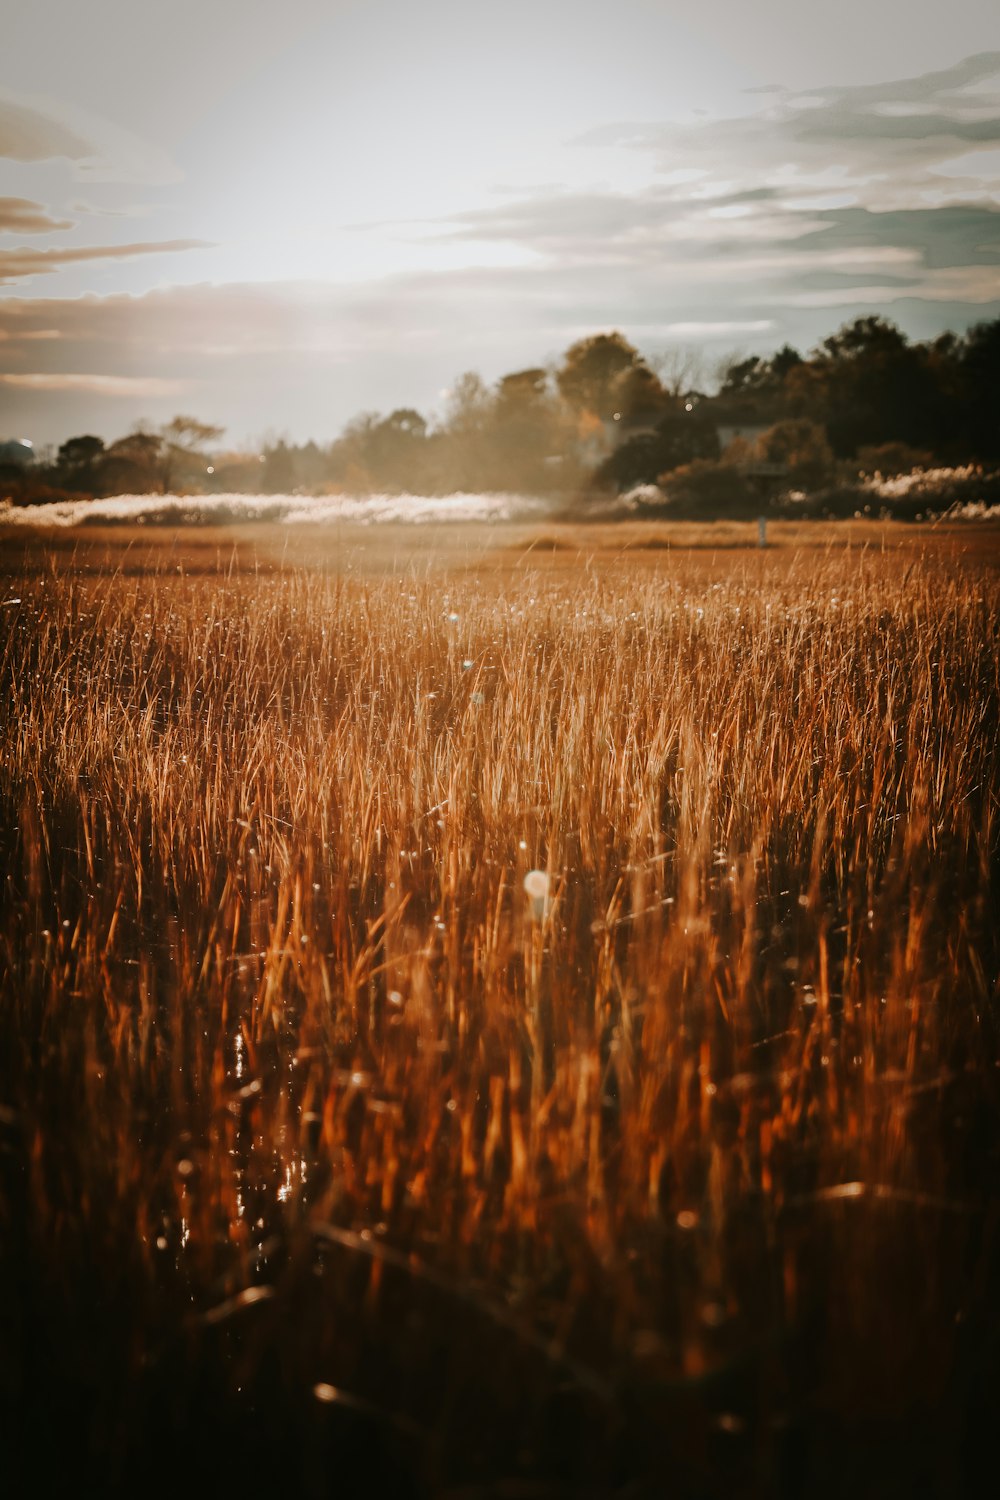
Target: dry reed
295, 1076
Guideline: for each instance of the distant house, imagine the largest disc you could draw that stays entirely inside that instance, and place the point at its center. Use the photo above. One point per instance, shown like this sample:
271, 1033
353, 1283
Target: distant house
743, 424
621, 430
747, 432
740, 419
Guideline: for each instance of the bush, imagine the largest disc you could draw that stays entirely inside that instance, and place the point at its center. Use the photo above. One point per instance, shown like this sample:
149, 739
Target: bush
678, 439
969, 491
931, 491
31, 491
707, 488
835, 502
892, 458
802, 447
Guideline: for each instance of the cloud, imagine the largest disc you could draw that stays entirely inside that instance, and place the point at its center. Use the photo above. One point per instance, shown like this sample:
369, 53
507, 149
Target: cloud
98, 385
31, 134
555, 222
35, 130
25, 261
239, 335
22, 215
869, 192
744, 241
731, 328
882, 138
100, 151
954, 234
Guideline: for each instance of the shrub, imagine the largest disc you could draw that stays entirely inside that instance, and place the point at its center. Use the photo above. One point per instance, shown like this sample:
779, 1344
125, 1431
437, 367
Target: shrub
935, 490
892, 458
802, 447
678, 439
32, 491
707, 488
835, 502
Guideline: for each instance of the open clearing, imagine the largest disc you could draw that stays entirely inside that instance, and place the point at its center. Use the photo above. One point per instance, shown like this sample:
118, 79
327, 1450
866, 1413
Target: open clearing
330, 1145
404, 549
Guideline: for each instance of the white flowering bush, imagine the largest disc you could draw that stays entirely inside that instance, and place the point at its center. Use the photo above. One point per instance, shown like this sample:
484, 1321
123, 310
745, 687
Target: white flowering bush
938, 489
966, 492
223, 510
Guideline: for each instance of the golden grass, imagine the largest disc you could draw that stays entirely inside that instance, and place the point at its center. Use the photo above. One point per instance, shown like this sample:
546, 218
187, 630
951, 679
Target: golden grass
281, 1029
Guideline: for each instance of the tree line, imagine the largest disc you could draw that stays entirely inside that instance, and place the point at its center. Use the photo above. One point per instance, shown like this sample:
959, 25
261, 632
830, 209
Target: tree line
603, 417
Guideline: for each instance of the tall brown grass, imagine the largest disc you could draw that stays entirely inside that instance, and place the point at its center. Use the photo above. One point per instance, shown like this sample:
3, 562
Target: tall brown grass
311, 1115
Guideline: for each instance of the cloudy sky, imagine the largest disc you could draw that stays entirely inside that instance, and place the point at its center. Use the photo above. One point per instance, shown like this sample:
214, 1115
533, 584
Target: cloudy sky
275, 215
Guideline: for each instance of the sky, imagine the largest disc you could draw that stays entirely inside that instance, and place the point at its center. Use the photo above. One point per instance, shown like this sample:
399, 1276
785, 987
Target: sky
274, 216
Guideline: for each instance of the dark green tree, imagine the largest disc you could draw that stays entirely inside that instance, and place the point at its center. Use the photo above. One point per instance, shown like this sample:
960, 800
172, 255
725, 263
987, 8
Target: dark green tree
979, 370
878, 387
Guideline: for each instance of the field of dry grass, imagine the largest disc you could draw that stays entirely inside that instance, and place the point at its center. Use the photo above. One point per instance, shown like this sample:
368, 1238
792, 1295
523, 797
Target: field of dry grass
330, 1150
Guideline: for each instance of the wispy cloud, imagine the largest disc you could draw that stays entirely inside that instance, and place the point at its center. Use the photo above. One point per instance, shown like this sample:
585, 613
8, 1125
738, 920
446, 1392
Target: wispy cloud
24, 216
872, 187
880, 139
25, 261
32, 131
37, 130
96, 385
28, 133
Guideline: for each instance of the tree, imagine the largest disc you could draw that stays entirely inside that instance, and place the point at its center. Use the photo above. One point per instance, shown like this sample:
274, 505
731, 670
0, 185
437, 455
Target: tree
463, 433
78, 462
310, 464
279, 469
639, 397
755, 376
589, 376
742, 376
526, 432
181, 442
376, 451
77, 452
678, 370
468, 403
158, 458
801, 446
979, 367
131, 465
879, 387
679, 438
864, 338
806, 390
784, 362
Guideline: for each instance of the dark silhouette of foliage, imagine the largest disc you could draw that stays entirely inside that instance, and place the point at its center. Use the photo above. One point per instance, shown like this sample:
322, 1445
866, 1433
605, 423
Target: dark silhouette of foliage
979, 384
605, 416
892, 458
800, 447
679, 438
78, 463
705, 489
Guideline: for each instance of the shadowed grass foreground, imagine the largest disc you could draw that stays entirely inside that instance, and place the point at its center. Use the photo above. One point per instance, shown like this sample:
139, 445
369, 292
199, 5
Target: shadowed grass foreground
329, 1155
